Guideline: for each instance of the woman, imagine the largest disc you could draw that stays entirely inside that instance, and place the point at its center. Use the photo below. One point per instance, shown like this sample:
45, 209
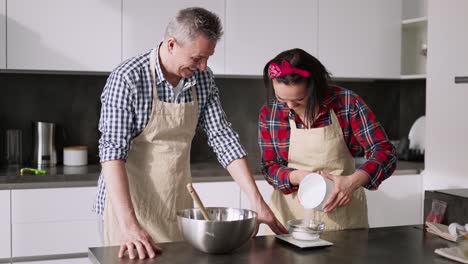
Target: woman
312, 126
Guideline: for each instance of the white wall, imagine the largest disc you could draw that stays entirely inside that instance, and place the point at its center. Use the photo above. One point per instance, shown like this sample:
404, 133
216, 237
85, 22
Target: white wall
414, 9
446, 157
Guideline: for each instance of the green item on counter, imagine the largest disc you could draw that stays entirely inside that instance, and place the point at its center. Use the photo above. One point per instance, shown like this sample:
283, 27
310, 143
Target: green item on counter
33, 171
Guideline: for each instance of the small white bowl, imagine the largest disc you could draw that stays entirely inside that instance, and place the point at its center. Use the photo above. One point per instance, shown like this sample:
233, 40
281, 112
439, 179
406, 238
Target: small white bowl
301, 231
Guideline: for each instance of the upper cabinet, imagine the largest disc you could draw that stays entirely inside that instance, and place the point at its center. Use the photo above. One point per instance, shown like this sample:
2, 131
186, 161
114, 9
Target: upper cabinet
361, 38
2, 34
64, 35
256, 31
354, 39
414, 40
145, 21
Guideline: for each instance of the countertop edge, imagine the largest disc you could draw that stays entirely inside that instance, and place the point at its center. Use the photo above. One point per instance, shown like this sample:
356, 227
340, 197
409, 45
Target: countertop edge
61, 183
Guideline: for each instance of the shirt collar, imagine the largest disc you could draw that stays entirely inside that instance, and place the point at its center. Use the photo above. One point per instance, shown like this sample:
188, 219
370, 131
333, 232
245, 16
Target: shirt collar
188, 82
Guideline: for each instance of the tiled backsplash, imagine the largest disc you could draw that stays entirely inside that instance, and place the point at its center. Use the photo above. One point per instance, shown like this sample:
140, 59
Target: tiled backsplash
72, 101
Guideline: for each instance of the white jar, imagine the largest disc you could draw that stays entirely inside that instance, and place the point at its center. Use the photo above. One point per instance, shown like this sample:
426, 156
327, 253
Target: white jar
75, 156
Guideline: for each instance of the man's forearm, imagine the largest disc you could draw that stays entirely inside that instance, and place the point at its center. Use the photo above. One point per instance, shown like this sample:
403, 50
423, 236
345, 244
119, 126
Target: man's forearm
239, 170
115, 177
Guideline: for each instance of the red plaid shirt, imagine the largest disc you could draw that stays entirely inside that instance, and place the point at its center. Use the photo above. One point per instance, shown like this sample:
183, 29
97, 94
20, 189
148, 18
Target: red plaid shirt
361, 132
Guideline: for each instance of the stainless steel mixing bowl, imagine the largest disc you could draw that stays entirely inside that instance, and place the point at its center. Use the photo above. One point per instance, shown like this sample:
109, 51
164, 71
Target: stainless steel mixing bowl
228, 228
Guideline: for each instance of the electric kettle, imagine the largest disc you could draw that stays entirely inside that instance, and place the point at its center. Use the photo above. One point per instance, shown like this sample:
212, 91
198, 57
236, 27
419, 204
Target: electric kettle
44, 144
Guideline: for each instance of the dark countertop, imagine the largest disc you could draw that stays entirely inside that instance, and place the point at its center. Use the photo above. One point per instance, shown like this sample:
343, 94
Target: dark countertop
87, 176
455, 192
405, 244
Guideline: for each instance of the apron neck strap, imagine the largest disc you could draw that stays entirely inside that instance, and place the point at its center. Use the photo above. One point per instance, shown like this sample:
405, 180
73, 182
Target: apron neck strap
334, 120
153, 74
153, 78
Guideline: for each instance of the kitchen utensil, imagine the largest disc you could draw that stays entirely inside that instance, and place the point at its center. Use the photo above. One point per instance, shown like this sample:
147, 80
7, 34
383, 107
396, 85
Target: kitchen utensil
75, 156
197, 201
14, 147
44, 144
32, 171
304, 244
314, 190
228, 229
417, 134
305, 231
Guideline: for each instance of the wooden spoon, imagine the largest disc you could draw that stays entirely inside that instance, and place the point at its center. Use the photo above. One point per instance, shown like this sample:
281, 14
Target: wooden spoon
197, 200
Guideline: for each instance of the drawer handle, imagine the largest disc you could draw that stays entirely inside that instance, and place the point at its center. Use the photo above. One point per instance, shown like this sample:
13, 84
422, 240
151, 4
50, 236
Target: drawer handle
461, 79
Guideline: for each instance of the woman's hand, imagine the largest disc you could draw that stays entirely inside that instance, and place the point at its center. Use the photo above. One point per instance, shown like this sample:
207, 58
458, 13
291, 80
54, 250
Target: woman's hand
344, 188
296, 176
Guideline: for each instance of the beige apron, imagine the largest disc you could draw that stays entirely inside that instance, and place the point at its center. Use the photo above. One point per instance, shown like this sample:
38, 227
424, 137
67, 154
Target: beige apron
158, 169
314, 150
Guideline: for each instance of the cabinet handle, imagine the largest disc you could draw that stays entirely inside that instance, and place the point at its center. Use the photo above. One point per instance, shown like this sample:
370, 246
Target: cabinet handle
461, 79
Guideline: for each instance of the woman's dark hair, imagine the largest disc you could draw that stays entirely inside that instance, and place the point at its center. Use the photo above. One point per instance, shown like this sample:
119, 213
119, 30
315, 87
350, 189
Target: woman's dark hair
317, 82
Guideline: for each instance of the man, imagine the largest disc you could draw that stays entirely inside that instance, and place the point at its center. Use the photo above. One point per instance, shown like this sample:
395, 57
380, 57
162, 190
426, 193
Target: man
151, 106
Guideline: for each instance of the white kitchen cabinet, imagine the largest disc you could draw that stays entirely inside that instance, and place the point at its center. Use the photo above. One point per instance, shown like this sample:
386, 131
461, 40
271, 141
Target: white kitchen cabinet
360, 39
64, 35
53, 221
145, 21
59, 261
265, 190
5, 235
218, 194
414, 48
256, 31
398, 201
446, 127
2, 34
414, 39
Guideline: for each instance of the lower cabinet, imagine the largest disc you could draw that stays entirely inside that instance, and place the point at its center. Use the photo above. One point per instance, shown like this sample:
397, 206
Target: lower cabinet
218, 194
265, 190
5, 235
398, 201
229, 194
53, 221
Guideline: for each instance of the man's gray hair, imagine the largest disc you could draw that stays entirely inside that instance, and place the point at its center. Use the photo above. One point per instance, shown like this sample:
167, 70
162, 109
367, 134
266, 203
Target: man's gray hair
189, 23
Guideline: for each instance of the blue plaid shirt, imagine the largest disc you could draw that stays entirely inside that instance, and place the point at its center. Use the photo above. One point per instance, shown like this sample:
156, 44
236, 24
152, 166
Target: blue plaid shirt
127, 104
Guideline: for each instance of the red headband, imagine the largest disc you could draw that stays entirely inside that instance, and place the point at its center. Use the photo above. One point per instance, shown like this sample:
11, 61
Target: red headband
275, 70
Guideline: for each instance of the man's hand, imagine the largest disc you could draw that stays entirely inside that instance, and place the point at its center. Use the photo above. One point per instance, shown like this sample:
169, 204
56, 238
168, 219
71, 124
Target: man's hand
266, 216
135, 238
344, 188
241, 174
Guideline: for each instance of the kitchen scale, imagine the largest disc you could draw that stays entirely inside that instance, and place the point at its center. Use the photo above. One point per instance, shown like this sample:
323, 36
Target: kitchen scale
304, 243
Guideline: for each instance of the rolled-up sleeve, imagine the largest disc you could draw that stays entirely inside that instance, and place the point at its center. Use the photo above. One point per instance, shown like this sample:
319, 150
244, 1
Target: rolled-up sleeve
116, 120
221, 136
380, 153
274, 168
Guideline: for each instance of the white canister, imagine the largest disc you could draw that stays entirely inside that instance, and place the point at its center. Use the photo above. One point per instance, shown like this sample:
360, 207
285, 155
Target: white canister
75, 156
314, 191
